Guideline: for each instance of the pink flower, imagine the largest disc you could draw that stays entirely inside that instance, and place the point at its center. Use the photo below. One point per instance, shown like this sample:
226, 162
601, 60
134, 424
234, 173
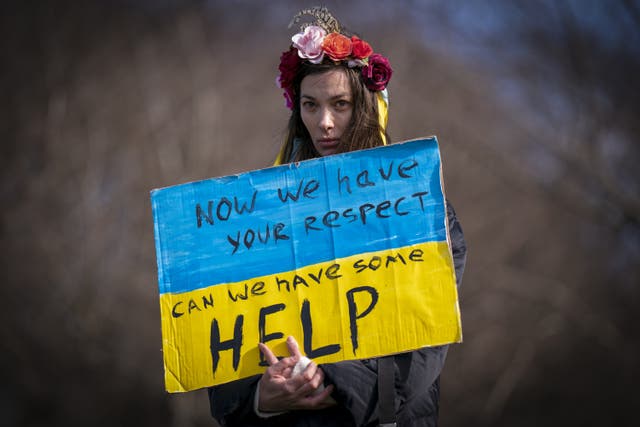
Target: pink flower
377, 72
309, 43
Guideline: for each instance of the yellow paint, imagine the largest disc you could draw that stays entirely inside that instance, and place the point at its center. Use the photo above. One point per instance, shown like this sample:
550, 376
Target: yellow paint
417, 306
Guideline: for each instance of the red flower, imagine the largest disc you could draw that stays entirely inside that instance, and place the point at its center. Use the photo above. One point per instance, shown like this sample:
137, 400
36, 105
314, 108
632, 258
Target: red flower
337, 46
377, 72
289, 63
359, 48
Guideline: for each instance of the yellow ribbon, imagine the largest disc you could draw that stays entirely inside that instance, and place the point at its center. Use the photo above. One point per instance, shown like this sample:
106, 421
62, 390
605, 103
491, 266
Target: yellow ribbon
383, 112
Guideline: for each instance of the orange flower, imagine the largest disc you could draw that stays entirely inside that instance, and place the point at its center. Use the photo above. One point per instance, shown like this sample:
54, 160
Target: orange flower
337, 46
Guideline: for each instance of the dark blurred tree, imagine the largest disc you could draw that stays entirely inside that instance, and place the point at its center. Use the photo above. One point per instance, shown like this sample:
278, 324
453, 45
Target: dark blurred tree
567, 72
585, 86
571, 69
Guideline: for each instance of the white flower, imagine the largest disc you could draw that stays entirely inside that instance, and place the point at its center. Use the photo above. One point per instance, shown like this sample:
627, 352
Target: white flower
356, 63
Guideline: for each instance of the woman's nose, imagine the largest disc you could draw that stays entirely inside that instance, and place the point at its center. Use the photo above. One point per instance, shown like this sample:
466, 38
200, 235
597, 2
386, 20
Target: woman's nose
326, 119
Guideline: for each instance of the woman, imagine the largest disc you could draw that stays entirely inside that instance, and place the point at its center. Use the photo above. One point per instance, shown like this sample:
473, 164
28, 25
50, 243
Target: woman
336, 88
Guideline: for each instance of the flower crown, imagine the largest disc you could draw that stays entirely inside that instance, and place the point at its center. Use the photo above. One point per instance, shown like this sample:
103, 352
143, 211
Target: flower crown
325, 40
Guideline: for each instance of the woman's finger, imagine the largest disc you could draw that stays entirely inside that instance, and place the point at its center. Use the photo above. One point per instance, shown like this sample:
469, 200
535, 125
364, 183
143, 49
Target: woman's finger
294, 350
311, 371
268, 354
320, 400
312, 383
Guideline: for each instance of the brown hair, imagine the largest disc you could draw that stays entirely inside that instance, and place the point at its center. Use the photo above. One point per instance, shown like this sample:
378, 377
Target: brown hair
364, 131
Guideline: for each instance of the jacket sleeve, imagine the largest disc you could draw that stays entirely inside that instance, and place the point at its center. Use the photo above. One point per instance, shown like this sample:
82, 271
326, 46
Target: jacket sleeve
356, 381
458, 244
232, 403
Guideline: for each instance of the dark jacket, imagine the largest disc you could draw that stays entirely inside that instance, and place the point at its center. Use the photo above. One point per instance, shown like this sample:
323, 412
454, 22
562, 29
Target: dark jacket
417, 376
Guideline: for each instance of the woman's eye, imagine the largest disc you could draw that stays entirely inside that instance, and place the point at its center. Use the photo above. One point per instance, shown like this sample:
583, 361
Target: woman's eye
308, 105
342, 103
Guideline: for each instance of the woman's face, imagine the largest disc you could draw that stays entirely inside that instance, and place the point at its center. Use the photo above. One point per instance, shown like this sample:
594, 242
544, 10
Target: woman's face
326, 105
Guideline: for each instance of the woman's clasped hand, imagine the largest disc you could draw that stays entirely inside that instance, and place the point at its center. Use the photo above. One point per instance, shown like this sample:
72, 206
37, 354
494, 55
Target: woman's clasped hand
280, 389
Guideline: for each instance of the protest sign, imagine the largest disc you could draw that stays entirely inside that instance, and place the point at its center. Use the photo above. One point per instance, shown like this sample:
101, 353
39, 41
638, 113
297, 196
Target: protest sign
348, 253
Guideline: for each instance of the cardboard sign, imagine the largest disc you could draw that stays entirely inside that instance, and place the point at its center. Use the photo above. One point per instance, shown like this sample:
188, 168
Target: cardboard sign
348, 253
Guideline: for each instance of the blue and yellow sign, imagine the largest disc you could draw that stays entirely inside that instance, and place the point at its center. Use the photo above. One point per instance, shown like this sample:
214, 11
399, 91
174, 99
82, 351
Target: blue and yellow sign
348, 253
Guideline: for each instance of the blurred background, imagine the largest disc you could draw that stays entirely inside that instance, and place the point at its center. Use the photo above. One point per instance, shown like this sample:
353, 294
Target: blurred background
536, 106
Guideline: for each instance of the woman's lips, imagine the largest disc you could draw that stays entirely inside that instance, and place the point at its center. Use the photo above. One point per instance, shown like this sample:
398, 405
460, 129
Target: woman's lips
328, 143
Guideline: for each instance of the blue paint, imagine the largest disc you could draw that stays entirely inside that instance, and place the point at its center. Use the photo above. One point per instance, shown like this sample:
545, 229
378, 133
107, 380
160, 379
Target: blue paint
192, 257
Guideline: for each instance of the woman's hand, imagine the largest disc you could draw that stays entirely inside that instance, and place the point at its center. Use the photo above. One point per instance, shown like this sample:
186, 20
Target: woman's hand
281, 391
